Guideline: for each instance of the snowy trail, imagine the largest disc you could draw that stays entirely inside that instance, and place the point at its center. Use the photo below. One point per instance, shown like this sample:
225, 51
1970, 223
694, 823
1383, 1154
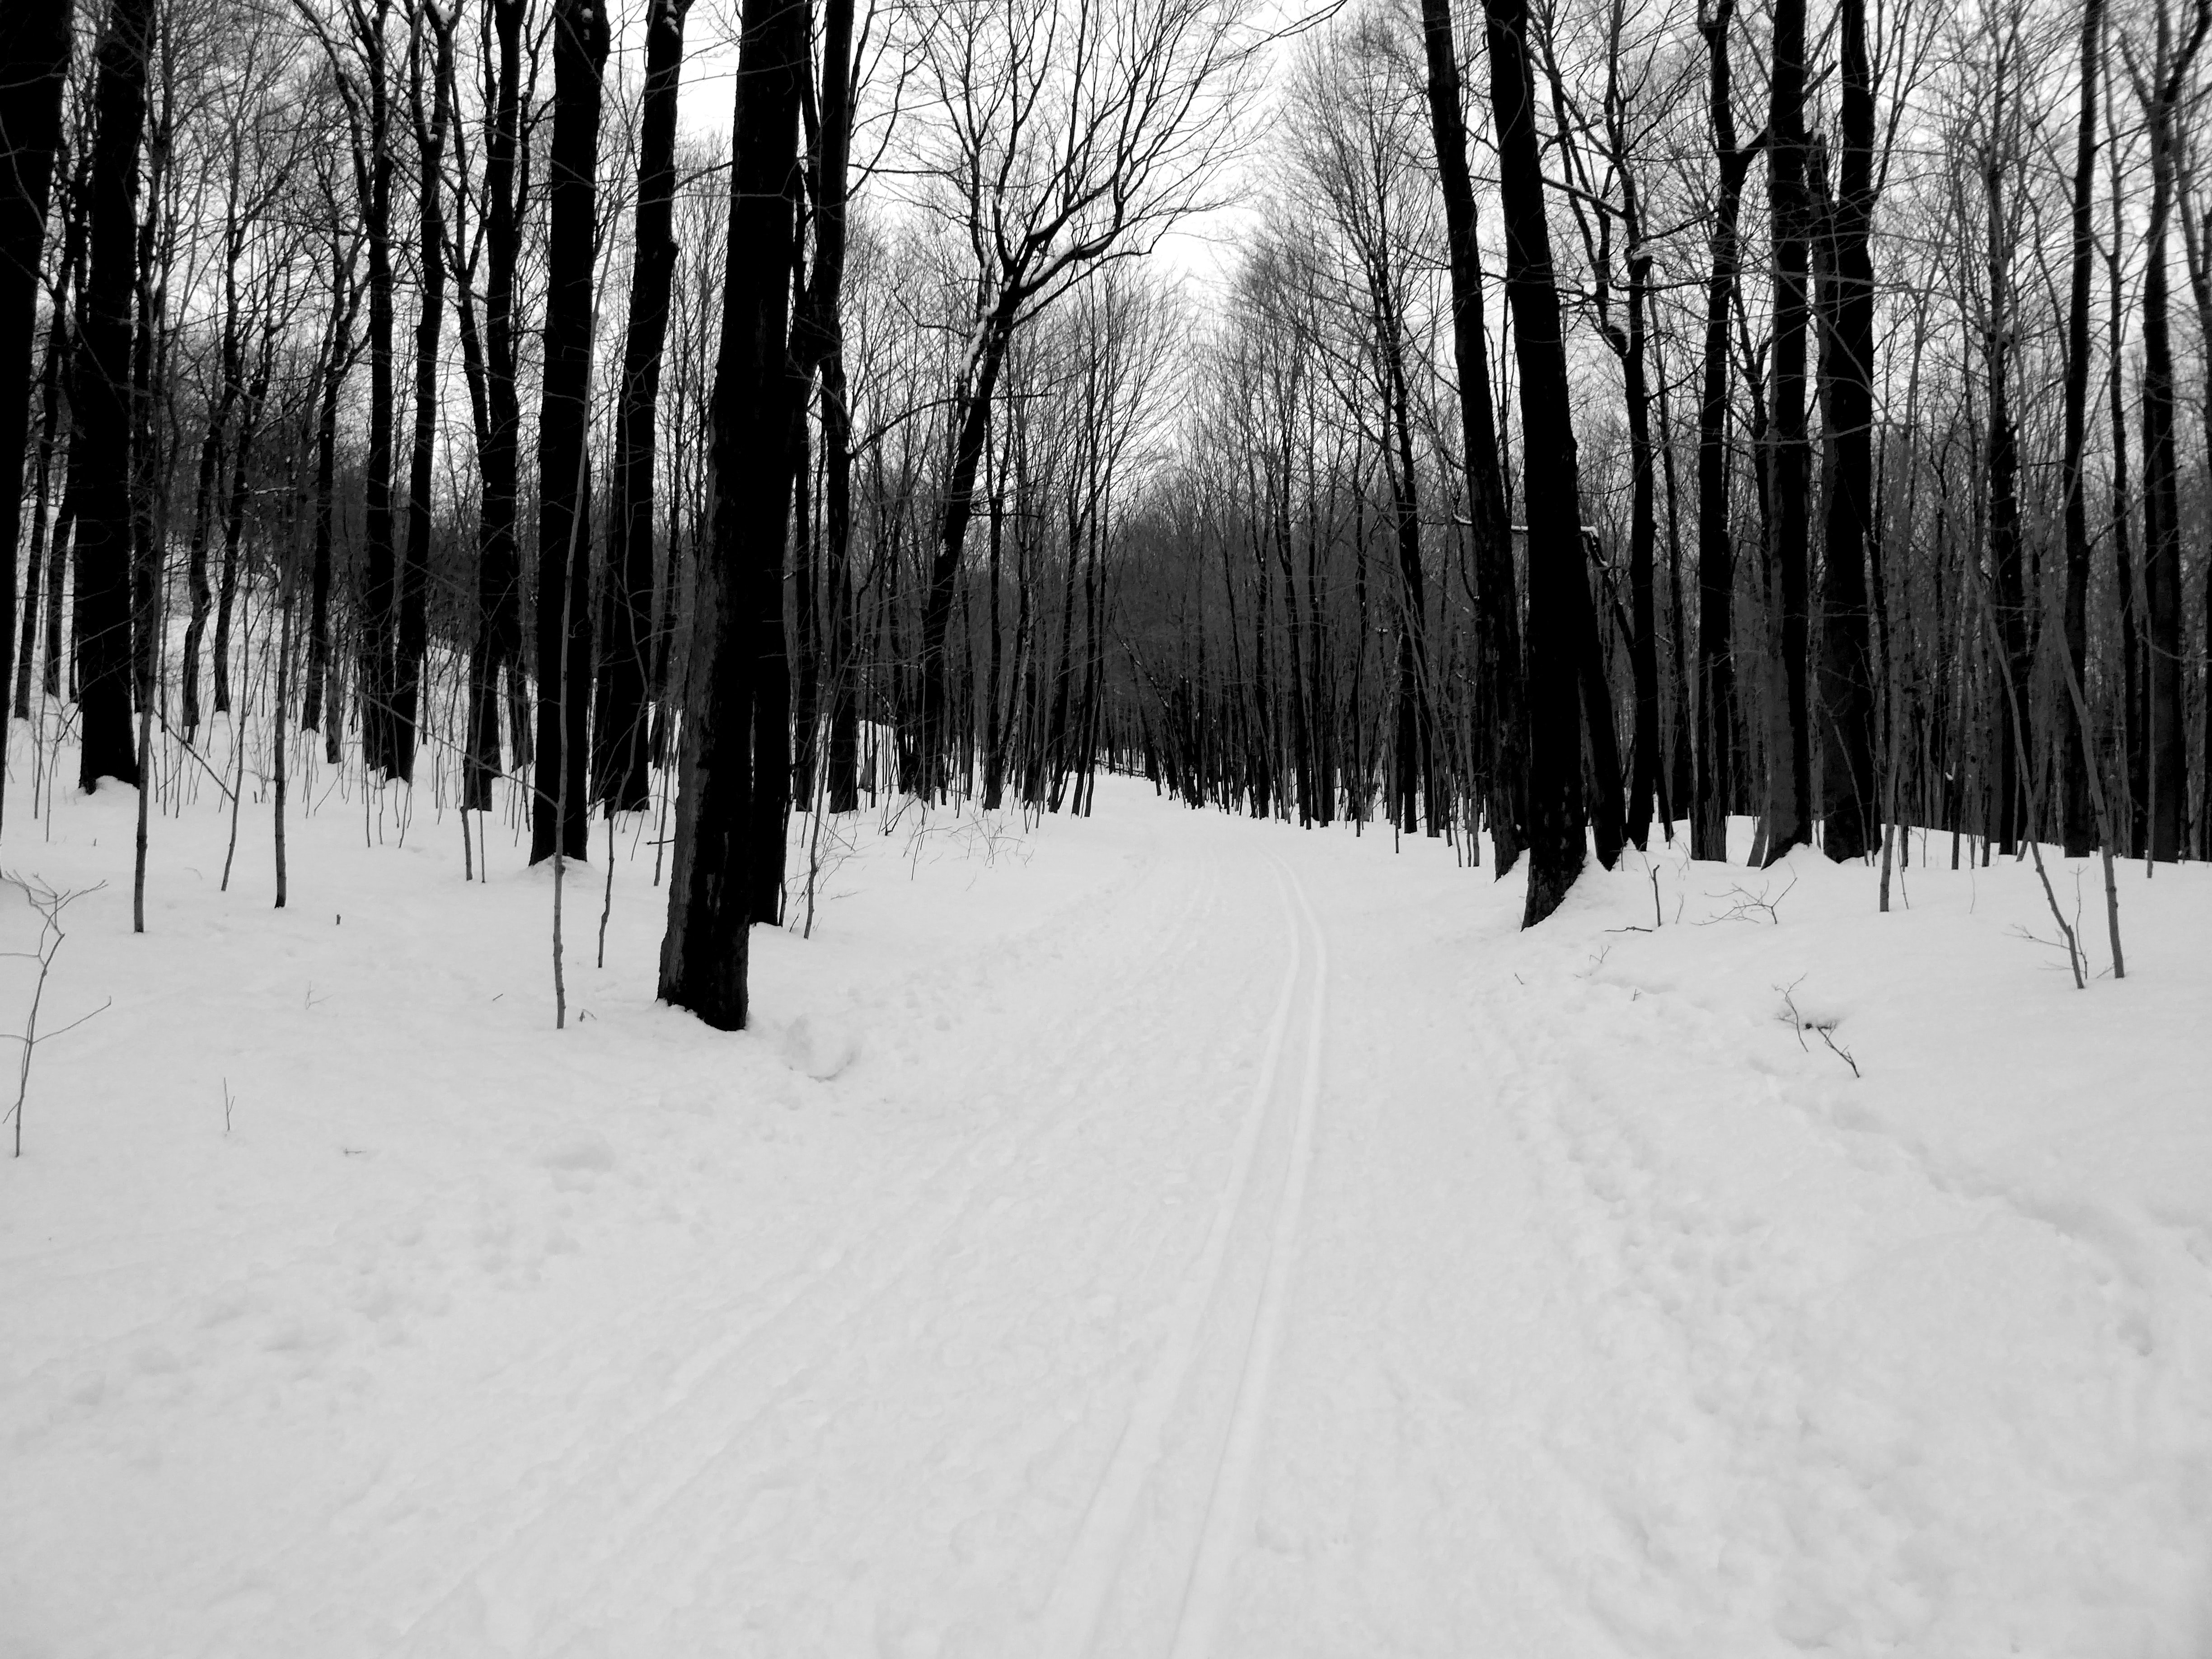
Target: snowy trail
1207, 1315
1200, 1240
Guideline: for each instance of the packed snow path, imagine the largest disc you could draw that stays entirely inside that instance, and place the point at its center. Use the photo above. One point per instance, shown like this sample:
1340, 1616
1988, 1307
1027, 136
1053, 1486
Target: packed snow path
1165, 1235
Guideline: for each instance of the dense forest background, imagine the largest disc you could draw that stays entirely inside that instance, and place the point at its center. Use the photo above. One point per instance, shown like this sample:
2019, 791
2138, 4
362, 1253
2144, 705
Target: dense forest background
1592, 417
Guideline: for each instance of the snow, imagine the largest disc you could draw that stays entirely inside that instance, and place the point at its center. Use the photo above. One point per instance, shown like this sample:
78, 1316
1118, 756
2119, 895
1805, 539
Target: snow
1158, 1234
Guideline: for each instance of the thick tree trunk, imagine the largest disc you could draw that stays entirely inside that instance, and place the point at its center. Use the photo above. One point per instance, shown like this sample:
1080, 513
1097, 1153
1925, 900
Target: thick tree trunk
2167, 783
1502, 761
100, 440
498, 645
34, 54
1789, 758
1852, 818
1718, 783
560, 806
621, 778
1560, 616
703, 953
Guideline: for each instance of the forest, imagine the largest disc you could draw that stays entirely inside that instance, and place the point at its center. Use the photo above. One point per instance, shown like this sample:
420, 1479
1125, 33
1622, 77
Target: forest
1287, 828
1582, 421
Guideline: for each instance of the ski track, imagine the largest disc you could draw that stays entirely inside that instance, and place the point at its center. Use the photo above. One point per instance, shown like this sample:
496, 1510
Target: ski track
700, 1427
1095, 1564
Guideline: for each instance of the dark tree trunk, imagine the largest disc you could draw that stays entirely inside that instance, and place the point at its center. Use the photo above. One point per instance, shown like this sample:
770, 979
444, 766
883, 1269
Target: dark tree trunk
1646, 781
1503, 713
1717, 784
703, 954
621, 779
337, 357
1853, 816
2167, 783
60, 346
1415, 763
979, 382
100, 440
1789, 757
373, 165
413, 641
825, 316
233, 517
205, 505
2131, 828
1559, 614
498, 645
2014, 715
34, 54
560, 806
2079, 821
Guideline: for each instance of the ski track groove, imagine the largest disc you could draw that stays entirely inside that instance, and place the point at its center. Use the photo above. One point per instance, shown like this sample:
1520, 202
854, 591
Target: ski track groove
1070, 1626
1033, 1139
1228, 1504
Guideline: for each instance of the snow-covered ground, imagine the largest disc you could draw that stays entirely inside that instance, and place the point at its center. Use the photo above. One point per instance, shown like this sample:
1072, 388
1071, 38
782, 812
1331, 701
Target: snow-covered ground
1161, 1234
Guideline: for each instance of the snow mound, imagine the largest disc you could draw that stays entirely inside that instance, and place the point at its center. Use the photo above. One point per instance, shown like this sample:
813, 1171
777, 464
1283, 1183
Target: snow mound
821, 1048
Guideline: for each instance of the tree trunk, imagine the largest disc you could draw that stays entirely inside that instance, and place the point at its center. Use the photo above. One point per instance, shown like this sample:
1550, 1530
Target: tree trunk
560, 806
499, 570
703, 953
2167, 781
99, 440
1853, 815
1560, 616
413, 641
1645, 779
1717, 784
1790, 760
1504, 715
60, 345
2079, 821
621, 779
2016, 733
34, 55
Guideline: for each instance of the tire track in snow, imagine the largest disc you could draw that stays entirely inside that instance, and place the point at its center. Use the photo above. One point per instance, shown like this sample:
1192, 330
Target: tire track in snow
1070, 1624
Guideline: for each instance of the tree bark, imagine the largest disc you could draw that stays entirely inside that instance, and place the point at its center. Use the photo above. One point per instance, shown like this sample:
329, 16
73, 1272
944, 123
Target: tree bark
1853, 815
1559, 614
621, 778
560, 806
2079, 825
1789, 759
34, 54
1498, 692
1716, 682
2167, 781
413, 639
703, 953
100, 441
498, 645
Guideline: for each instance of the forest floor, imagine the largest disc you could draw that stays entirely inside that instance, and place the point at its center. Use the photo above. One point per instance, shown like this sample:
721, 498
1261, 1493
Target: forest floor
1160, 1234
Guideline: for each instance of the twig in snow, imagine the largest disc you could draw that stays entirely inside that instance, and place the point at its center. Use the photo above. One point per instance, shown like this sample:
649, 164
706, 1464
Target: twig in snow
49, 902
1827, 1028
1749, 903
